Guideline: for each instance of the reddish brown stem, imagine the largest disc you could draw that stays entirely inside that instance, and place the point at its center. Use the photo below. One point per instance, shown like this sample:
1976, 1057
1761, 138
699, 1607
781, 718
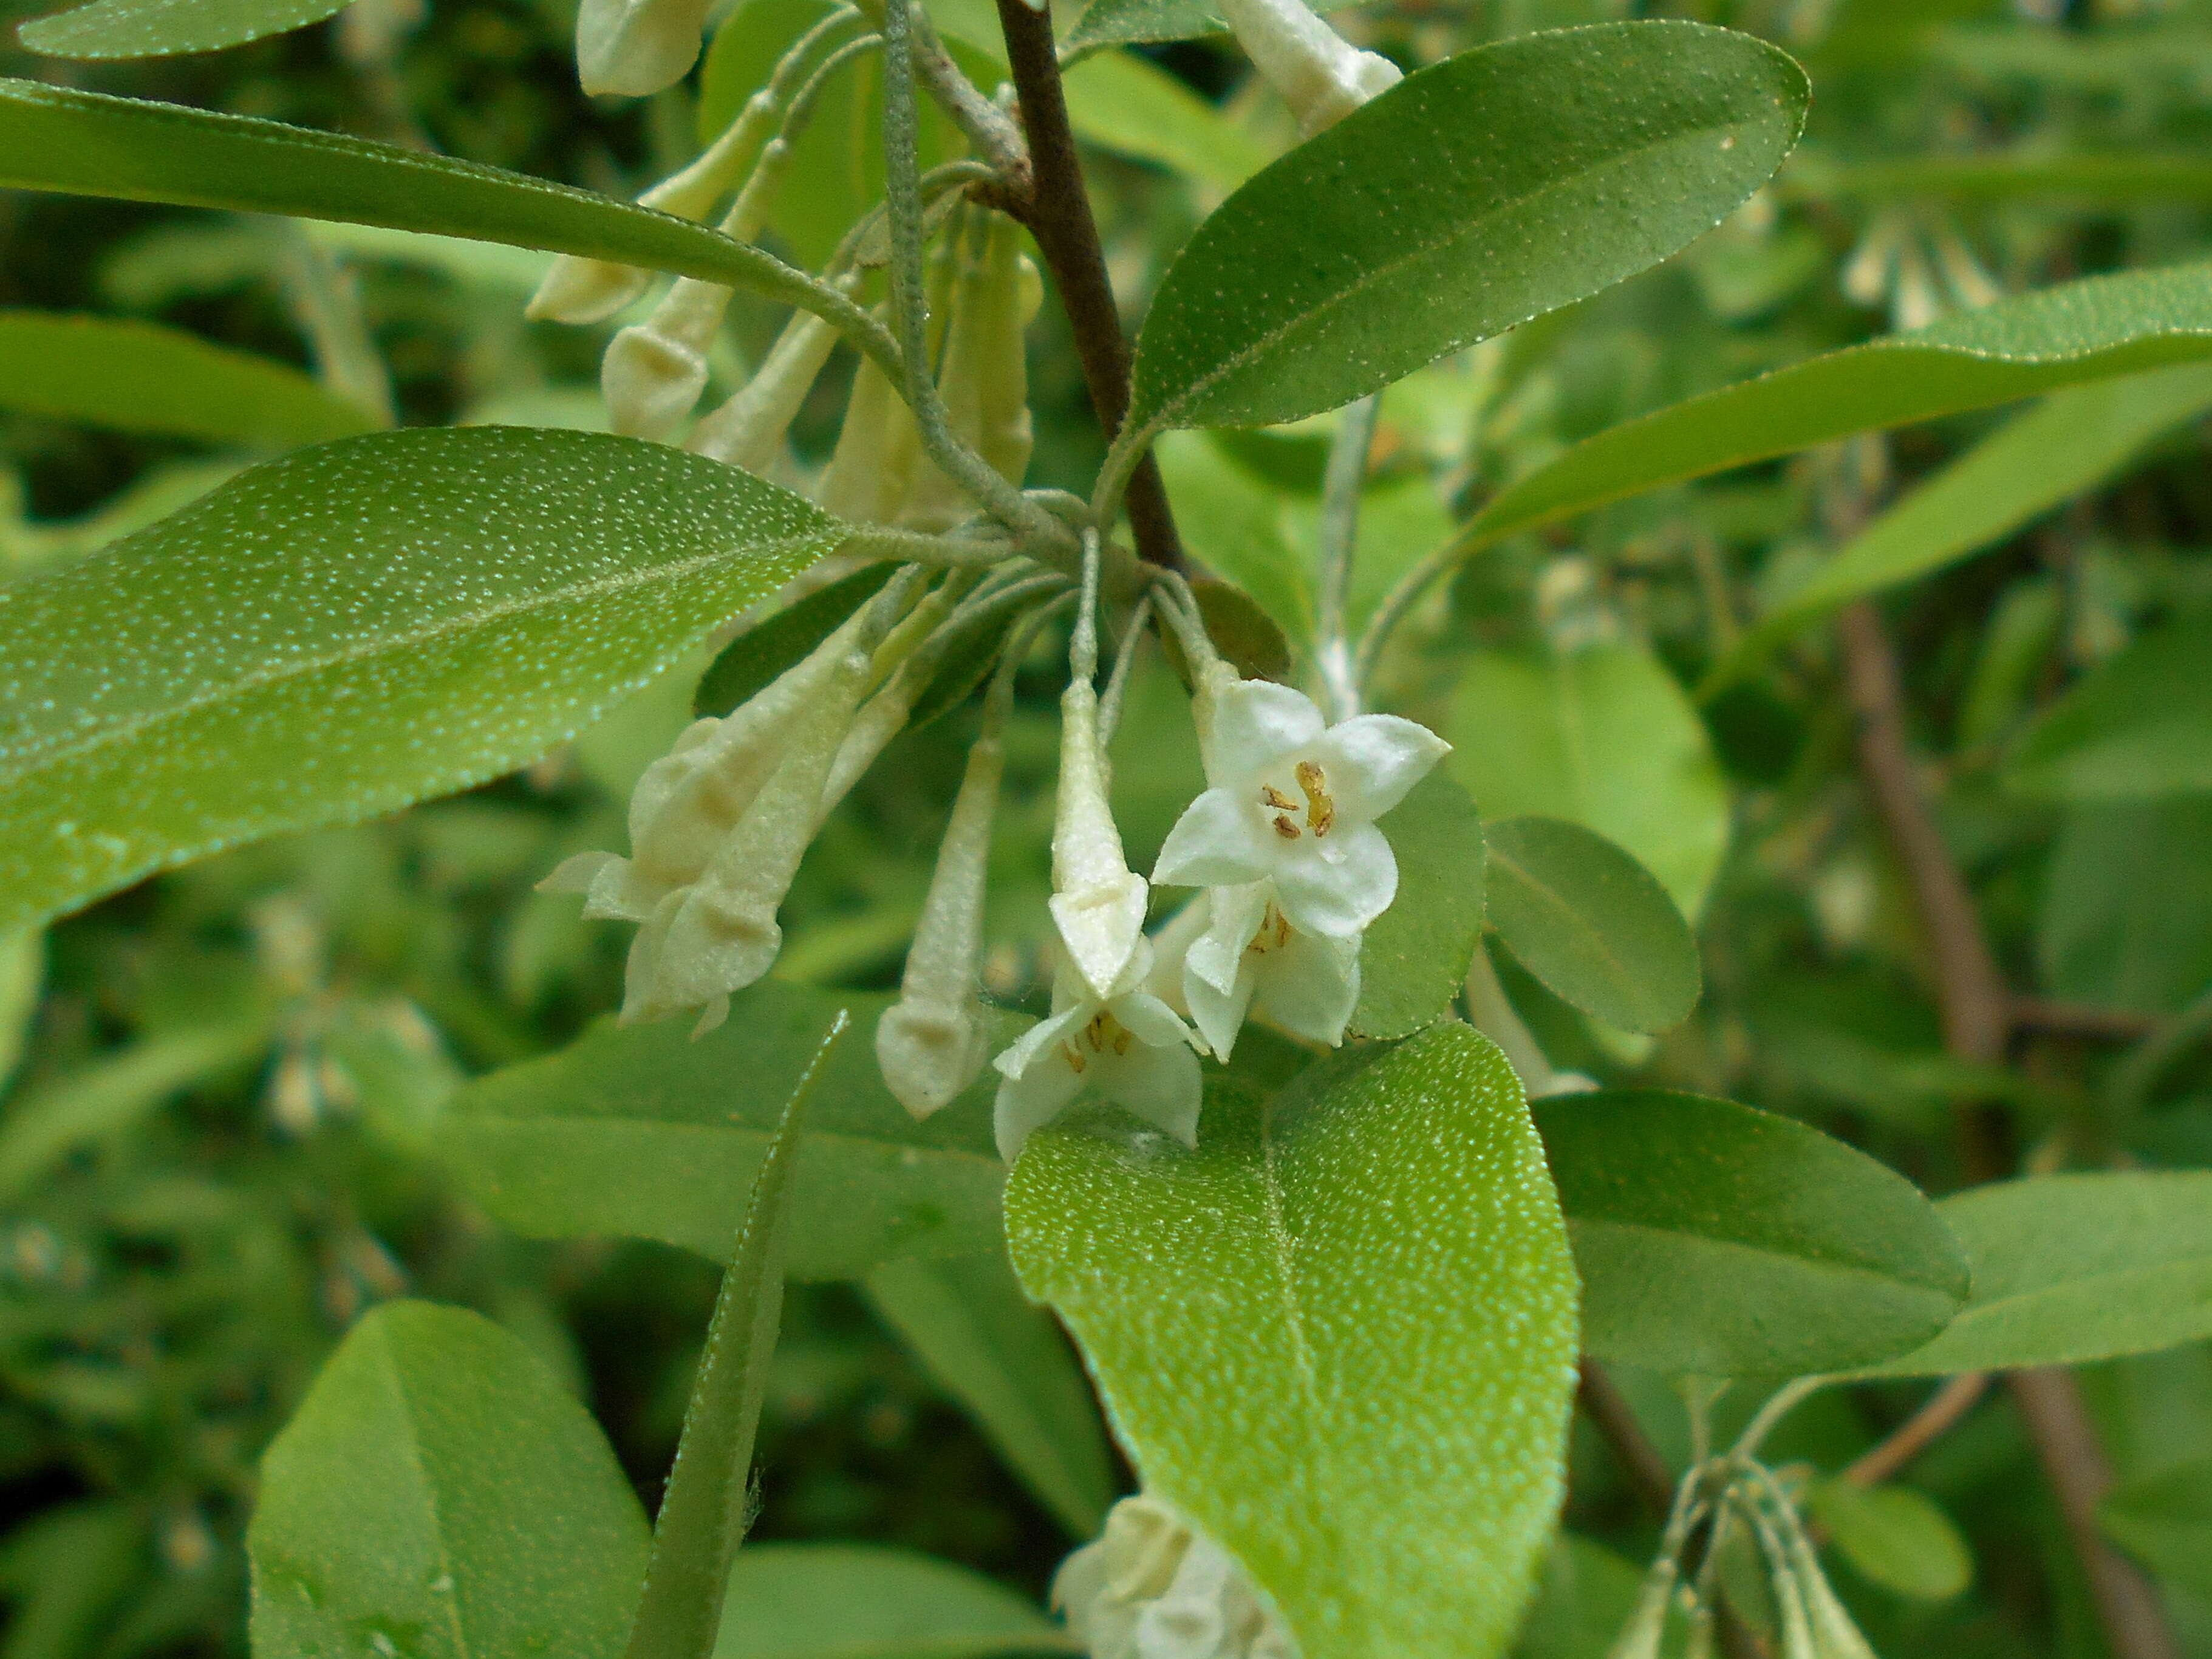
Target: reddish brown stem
1942, 1410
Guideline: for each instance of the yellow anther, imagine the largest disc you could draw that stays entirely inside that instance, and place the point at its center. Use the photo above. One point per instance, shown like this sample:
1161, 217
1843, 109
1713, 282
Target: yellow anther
1075, 1060
1275, 798
1321, 811
1285, 828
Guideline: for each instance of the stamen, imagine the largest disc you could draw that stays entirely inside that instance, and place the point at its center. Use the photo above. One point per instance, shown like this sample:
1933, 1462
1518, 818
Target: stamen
1121, 1040
1321, 811
1076, 1063
1285, 828
1275, 798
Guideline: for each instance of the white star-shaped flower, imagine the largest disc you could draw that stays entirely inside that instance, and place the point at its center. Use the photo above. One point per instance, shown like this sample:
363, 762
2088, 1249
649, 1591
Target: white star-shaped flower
1244, 957
1294, 801
1127, 1047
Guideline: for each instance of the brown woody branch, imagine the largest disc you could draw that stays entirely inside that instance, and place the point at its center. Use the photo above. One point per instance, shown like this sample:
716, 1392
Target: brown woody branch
1936, 1417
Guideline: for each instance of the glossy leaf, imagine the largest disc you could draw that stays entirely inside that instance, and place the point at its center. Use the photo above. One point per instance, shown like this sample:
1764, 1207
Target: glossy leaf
1430, 218
748, 663
2069, 1268
1003, 1358
351, 628
1603, 736
158, 28
1592, 923
708, 1502
1126, 104
438, 1489
128, 376
865, 1602
2072, 442
1236, 525
2069, 334
87, 144
1340, 1335
1895, 1536
2138, 725
638, 1132
1417, 953
1718, 1240
2165, 1521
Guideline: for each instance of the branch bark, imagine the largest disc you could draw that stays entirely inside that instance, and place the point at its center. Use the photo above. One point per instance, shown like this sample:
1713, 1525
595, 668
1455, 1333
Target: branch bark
1057, 210
1976, 1023
1937, 1416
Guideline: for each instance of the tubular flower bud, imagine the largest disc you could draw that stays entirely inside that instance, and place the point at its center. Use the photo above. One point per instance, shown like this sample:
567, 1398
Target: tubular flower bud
872, 468
748, 430
1124, 1044
654, 371
1322, 77
1250, 960
1098, 902
1835, 1634
636, 48
1152, 1586
1644, 1634
931, 1042
1294, 801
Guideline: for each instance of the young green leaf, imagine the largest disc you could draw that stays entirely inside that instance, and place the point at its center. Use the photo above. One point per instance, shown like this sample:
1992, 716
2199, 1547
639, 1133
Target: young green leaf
1432, 217
2069, 334
708, 1502
865, 1602
22, 979
1002, 1358
1603, 736
1417, 953
1895, 1536
1234, 524
354, 628
160, 28
1126, 104
763, 651
88, 144
1718, 1240
2139, 725
1590, 922
129, 376
1340, 1335
2165, 1521
2072, 442
2069, 1268
638, 1132
66, 1570
440, 1493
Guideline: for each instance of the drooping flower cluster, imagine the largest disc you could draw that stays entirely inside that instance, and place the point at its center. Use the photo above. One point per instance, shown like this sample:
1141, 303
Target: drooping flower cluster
1152, 1586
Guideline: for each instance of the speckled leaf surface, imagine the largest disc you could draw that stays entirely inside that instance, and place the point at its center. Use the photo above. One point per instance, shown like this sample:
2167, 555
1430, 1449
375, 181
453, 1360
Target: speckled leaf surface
351, 628
1474, 195
441, 1495
1417, 953
1340, 1334
638, 1132
156, 28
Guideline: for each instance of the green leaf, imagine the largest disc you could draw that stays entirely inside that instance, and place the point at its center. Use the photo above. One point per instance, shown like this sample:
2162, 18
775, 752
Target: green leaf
22, 980
864, 1601
1236, 525
89, 144
763, 651
638, 1132
1118, 22
1590, 922
1603, 736
2165, 1521
65, 1572
1123, 103
2098, 179
1003, 1358
1432, 217
158, 29
1584, 1597
142, 377
1718, 1240
1896, 1537
1340, 1335
2069, 1268
2069, 334
1417, 953
2127, 905
440, 1494
2070, 443
353, 627
2137, 727
707, 1504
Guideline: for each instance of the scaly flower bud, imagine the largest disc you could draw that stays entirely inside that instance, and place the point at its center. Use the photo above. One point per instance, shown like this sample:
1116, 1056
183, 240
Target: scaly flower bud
1152, 1586
1322, 77
635, 48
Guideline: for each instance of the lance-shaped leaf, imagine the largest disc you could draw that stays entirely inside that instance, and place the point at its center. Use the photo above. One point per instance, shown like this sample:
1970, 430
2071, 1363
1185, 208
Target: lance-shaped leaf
1590, 922
440, 1494
158, 28
1434, 216
2138, 727
708, 1502
353, 627
1718, 1240
2072, 442
1340, 1335
2068, 1268
130, 376
638, 1132
89, 144
2066, 336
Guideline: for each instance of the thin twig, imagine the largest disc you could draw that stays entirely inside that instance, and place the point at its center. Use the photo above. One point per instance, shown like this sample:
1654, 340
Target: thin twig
1941, 1412
985, 125
1340, 536
2079, 1019
1609, 1413
1057, 210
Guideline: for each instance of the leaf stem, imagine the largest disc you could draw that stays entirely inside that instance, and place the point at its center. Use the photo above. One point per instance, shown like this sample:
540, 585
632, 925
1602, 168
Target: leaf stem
1339, 538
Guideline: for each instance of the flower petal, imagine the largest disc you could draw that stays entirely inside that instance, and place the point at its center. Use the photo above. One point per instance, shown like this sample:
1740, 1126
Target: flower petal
1215, 843
1171, 943
1309, 987
1160, 1085
1101, 926
1340, 891
1372, 760
1218, 1014
1015, 1060
1219, 957
1149, 1020
1028, 1103
1255, 721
